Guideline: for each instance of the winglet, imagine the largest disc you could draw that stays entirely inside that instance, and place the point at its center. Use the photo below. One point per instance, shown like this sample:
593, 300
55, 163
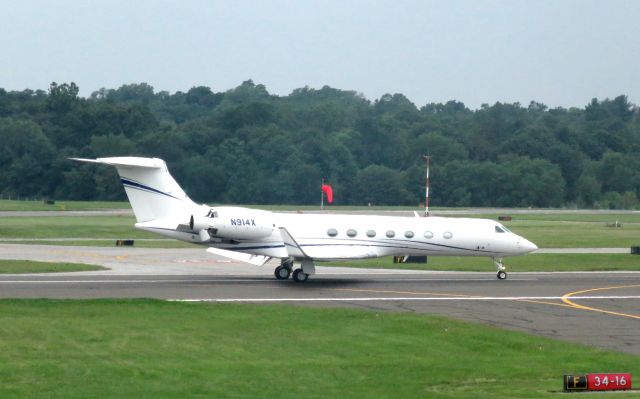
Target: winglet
290, 244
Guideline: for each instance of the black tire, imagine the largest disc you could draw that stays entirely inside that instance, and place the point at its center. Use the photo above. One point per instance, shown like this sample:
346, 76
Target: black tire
282, 273
502, 275
299, 276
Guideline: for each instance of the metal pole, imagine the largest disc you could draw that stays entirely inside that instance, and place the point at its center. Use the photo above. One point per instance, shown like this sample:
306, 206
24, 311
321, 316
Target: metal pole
322, 195
427, 160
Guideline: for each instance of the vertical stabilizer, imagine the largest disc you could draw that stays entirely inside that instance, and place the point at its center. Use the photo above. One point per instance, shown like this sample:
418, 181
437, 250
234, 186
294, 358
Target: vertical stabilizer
152, 191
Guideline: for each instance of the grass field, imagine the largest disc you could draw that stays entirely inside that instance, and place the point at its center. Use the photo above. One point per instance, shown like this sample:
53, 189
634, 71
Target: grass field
571, 234
26, 266
13, 205
154, 349
546, 233
116, 227
527, 263
146, 243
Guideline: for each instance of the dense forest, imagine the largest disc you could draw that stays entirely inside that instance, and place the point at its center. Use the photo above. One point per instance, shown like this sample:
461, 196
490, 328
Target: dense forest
247, 146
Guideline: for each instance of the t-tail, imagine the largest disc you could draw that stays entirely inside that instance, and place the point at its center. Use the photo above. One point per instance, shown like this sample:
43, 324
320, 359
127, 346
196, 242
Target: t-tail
152, 191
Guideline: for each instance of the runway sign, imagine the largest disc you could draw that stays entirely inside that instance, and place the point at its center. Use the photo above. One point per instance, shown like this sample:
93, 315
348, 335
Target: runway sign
575, 383
597, 382
608, 382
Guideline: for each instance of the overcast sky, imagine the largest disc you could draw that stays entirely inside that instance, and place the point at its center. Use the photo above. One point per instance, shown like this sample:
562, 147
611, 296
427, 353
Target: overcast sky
561, 53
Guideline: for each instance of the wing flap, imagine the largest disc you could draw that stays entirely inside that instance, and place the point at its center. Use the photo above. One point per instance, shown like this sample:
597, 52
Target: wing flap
257, 260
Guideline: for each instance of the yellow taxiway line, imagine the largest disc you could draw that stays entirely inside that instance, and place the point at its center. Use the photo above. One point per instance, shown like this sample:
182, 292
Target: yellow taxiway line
566, 299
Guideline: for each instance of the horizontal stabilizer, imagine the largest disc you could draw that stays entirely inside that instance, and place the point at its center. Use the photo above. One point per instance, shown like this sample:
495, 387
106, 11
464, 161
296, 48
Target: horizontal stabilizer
257, 260
126, 161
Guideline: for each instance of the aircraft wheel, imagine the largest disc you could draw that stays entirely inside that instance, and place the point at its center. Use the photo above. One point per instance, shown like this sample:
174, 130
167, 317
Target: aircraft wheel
299, 276
282, 273
288, 264
502, 275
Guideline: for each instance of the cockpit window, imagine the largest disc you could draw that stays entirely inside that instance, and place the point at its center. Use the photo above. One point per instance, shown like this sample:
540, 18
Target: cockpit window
500, 229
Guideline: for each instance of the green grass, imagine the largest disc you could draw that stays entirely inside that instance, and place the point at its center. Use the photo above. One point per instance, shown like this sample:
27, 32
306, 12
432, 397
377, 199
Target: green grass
600, 217
154, 349
152, 243
116, 227
561, 234
12, 205
527, 263
27, 266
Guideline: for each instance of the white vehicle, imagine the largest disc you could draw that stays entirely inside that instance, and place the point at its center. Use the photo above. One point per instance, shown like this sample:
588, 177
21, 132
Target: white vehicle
299, 240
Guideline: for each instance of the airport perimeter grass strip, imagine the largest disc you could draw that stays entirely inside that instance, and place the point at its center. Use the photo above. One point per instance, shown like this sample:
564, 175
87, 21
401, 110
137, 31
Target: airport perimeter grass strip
111, 242
544, 233
26, 206
27, 266
526, 263
156, 349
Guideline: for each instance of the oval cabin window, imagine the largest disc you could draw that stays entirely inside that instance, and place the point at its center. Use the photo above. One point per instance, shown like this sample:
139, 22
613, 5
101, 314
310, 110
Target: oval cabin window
332, 232
391, 234
408, 234
447, 235
371, 233
352, 233
428, 235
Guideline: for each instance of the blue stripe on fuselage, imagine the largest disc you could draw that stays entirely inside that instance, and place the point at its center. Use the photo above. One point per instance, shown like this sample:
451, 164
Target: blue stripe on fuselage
140, 186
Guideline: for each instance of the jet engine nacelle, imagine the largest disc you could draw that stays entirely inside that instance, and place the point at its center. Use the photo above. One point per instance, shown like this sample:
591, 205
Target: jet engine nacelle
234, 223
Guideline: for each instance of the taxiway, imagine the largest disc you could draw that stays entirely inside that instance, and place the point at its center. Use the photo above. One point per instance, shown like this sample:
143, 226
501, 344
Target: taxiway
600, 309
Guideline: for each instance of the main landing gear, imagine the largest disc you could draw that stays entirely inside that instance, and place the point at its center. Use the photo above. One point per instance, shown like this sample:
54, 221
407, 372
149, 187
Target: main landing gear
502, 274
307, 268
283, 271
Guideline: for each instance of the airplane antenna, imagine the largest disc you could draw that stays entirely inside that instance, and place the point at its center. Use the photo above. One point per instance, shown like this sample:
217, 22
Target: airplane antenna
427, 161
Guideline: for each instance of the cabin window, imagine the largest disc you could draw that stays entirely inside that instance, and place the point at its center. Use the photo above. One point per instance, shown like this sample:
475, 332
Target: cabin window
332, 232
391, 233
371, 233
447, 235
499, 229
352, 233
408, 234
428, 235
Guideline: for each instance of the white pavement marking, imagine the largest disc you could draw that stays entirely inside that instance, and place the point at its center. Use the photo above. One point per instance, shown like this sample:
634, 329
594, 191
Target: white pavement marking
126, 281
211, 280
347, 299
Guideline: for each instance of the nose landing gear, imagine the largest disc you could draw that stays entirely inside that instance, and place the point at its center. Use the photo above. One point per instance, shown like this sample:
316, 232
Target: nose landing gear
502, 274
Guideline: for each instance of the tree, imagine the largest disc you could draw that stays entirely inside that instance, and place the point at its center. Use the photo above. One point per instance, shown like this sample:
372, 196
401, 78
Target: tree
379, 185
62, 98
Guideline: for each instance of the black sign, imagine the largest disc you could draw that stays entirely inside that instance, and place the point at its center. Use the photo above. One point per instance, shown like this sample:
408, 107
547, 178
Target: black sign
575, 382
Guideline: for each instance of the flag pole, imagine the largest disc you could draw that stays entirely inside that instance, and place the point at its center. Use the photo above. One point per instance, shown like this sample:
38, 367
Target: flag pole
322, 195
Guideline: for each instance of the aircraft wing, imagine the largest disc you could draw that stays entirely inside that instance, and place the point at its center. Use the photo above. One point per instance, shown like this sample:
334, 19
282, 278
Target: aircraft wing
257, 260
291, 245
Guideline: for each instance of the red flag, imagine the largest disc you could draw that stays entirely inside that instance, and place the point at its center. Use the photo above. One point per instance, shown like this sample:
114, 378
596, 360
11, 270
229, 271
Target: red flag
329, 191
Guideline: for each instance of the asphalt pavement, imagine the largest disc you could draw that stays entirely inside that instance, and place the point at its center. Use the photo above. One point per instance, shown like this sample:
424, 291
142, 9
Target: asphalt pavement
600, 309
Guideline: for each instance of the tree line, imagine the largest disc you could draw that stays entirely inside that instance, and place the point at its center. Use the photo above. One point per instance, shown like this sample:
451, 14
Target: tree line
247, 146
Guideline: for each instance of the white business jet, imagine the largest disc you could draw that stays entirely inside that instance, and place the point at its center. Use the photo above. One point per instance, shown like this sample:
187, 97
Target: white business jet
300, 240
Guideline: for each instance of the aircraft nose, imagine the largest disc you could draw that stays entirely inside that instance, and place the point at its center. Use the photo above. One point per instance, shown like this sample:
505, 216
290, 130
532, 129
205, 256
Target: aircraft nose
527, 246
